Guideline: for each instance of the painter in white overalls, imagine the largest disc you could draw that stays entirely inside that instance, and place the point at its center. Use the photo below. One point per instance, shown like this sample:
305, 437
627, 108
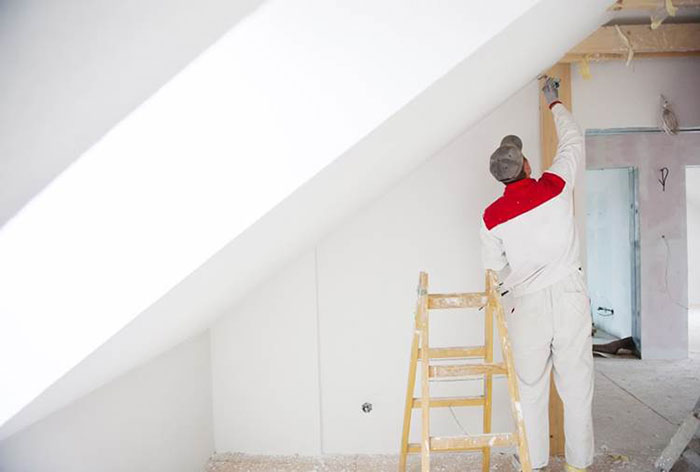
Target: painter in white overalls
529, 235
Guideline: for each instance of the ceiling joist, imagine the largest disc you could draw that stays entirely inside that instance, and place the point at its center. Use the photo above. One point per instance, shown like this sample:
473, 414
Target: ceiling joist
615, 42
651, 4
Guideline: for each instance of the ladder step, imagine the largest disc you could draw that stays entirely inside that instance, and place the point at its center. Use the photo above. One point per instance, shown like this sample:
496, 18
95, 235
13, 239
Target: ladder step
442, 402
469, 352
466, 443
439, 301
461, 370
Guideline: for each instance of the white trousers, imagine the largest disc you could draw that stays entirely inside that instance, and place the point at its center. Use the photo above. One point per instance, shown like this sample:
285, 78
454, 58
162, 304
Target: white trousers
552, 328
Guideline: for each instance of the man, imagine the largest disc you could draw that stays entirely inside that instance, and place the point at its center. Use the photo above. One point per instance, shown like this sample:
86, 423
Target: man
530, 234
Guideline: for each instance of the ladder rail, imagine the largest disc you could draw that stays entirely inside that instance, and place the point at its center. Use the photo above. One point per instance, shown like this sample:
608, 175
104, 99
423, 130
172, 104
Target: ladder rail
425, 370
421, 351
409, 398
488, 377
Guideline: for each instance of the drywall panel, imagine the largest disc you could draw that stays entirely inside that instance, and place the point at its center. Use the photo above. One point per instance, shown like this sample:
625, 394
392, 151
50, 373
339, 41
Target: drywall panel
265, 367
157, 417
368, 271
662, 221
692, 189
72, 69
434, 117
617, 96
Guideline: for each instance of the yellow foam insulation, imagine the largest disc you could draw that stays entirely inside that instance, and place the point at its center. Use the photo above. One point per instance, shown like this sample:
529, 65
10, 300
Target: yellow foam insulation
628, 45
667, 10
584, 68
657, 19
670, 8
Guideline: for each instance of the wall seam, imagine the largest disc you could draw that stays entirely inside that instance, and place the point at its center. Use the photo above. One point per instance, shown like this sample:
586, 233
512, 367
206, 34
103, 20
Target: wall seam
318, 353
211, 391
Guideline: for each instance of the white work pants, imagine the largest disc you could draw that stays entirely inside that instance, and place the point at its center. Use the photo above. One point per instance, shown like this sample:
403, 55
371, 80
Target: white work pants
552, 327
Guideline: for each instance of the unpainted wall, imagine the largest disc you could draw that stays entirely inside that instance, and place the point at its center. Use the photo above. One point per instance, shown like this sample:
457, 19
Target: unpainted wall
303, 352
156, 418
662, 230
365, 276
620, 97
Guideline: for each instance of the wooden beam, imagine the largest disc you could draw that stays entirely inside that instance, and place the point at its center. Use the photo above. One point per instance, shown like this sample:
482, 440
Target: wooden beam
607, 44
650, 4
549, 141
548, 133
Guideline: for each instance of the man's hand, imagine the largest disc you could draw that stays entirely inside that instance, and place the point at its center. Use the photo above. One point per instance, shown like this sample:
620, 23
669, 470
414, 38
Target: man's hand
551, 90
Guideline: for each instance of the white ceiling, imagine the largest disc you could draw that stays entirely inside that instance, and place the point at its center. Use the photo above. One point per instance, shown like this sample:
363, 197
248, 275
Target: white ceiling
72, 69
330, 103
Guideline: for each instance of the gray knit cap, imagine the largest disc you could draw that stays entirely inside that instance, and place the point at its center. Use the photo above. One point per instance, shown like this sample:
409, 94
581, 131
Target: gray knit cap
507, 161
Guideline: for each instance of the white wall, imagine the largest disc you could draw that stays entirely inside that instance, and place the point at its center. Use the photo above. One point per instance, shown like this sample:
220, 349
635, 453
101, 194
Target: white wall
264, 357
692, 189
623, 97
628, 97
662, 230
367, 272
157, 417
395, 145
265, 354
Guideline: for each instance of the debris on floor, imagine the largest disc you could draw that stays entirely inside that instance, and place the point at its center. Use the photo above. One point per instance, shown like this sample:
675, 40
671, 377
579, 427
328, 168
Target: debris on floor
619, 348
457, 462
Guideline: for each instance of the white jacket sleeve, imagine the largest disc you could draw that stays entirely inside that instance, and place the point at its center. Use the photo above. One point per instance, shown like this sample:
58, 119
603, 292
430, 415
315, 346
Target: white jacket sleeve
570, 150
492, 253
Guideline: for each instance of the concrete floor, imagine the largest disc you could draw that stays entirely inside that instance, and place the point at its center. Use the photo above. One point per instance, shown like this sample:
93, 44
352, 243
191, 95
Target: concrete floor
638, 406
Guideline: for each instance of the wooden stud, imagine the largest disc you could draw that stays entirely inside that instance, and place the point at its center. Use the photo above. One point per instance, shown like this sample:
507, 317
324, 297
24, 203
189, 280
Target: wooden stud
549, 142
606, 44
425, 370
548, 132
523, 451
572, 58
438, 301
557, 440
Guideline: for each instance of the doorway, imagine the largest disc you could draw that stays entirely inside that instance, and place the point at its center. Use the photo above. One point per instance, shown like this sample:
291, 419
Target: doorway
612, 239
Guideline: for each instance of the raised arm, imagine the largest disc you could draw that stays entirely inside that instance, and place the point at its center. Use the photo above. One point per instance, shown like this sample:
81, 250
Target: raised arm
570, 150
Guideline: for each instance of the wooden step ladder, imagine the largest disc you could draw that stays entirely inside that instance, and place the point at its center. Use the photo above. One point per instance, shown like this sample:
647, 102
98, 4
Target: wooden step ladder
421, 351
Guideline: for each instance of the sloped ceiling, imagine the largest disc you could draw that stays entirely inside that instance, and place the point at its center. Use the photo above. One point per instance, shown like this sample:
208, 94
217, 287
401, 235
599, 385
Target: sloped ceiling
400, 86
72, 69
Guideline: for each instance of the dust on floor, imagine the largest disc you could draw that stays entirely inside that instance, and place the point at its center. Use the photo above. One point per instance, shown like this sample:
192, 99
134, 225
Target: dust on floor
500, 462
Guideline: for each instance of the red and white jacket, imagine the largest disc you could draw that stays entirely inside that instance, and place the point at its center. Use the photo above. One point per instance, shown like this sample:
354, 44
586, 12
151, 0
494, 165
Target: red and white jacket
531, 228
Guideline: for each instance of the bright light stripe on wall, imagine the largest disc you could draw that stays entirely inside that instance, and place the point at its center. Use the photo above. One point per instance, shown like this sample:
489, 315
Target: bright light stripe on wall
279, 97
